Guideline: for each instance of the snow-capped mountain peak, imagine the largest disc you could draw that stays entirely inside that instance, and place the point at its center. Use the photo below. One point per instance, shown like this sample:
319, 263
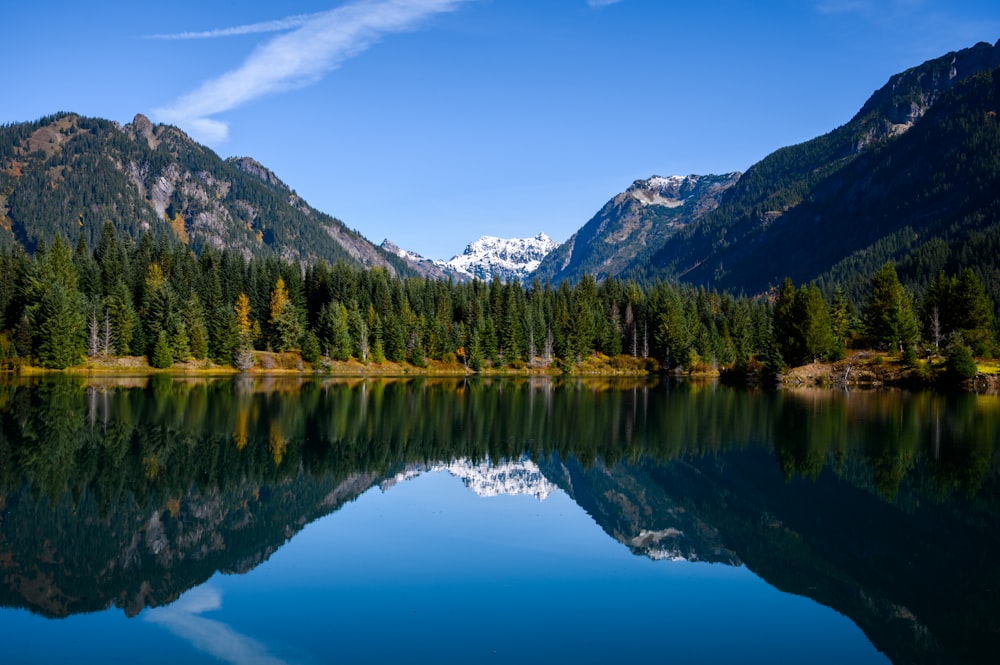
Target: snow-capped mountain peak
505, 258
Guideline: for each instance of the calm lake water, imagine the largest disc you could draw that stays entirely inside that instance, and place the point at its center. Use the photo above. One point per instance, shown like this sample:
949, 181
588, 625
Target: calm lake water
276, 520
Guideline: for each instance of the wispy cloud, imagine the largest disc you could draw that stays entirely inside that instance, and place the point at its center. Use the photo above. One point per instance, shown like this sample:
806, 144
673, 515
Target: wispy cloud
212, 637
315, 45
869, 7
281, 25
602, 3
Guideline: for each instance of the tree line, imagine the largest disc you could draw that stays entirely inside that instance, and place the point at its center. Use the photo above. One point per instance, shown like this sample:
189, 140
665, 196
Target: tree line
156, 298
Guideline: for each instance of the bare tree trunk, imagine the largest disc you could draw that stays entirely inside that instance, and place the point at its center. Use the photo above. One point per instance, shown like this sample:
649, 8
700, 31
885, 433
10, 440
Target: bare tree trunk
93, 336
936, 328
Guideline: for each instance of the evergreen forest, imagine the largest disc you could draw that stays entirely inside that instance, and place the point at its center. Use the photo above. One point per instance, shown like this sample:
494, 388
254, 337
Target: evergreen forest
154, 297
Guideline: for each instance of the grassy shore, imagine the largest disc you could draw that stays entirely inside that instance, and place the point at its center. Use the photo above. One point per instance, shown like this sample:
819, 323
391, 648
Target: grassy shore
861, 368
267, 362
866, 368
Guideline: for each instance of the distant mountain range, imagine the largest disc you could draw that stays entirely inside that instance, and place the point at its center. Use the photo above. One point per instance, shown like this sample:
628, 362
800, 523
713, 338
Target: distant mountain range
912, 178
507, 259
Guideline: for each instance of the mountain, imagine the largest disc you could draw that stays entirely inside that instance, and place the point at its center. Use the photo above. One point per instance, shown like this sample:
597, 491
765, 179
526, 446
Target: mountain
512, 478
67, 174
417, 263
634, 223
504, 258
912, 178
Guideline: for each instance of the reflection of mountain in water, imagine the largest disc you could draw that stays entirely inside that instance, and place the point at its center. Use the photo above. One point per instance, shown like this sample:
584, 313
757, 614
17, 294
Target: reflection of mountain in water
76, 556
486, 479
882, 506
919, 578
522, 477
633, 510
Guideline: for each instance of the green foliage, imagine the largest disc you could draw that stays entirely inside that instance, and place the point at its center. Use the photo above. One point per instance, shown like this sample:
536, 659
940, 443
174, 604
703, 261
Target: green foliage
888, 315
959, 305
310, 348
212, 306
959, 363
60, 327
162, 356
803, 325
333, 332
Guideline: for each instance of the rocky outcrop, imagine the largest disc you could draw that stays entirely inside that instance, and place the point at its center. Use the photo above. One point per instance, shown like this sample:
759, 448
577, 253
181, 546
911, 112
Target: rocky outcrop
634, 224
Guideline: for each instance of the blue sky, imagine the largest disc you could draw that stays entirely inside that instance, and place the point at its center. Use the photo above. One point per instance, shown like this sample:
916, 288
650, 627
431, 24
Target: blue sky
432, 122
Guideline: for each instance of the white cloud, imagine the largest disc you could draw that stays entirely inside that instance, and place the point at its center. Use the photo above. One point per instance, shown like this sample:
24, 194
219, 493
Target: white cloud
602, 3
869, 7
281, 25
183, 619
320, 43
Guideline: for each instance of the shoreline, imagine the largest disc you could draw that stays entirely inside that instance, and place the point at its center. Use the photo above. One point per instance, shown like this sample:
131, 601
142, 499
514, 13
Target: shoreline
863, 369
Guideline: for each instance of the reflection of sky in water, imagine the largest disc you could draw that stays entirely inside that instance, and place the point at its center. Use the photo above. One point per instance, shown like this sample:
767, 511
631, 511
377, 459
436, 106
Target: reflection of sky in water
183, 618
430, 572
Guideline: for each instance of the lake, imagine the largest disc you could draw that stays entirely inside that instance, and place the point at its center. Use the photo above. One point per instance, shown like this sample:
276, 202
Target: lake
295, 520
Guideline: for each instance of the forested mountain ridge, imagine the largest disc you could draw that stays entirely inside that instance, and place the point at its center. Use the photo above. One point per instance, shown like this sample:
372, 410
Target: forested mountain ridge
912, 178
67, 175
633, 224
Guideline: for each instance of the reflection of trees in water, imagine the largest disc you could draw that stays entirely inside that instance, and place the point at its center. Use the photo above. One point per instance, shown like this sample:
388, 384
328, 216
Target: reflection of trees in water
61, 437
952, 437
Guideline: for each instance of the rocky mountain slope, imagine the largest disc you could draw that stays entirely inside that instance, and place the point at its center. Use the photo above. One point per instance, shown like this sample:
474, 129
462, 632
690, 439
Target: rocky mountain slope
912, 178
417, 263
633, 224
67, 174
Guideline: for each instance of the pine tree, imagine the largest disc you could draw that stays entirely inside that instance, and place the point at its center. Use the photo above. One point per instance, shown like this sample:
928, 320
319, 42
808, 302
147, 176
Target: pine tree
122, 318
817, 332
285, 319
180, 344
786, 324
194, 321
310, 348
60, 325
224, 335
159, 305
162, 357
888, 315
975, 313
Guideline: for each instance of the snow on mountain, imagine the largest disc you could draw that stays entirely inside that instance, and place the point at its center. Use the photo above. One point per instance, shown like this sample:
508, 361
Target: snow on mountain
522, 477
505, 258
423, 266
667, 191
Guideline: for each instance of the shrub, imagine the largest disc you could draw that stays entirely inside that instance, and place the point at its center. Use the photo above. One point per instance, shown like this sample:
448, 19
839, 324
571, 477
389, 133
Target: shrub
960, 364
